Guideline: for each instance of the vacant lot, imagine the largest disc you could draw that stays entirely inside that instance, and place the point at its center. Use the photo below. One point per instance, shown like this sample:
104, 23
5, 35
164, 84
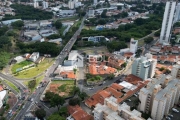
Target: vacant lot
20, 65
63, 88
33, 72
94, 50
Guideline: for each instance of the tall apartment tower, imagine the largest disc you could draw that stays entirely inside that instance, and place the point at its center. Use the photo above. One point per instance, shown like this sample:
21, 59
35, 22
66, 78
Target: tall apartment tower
95, 2
133, 45
144, 67
167, 22
159, 96
176, 71
177, 13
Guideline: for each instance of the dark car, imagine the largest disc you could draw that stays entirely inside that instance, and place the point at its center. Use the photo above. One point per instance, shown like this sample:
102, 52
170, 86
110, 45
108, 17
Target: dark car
100, 84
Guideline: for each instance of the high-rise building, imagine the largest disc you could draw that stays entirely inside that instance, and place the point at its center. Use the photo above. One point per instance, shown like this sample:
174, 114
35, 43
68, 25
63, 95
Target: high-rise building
167, 22
91, 12
176, 71
95, 2
177, 13
159, 96
133, 45
45, 4
144, 67
36, 4
71, 4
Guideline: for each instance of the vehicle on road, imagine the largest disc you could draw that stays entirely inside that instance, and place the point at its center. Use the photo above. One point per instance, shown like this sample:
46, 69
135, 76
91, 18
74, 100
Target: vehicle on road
91, 88
10, 111
169, 115
168, 118
129, 100
175, 110
32, 99
100, 84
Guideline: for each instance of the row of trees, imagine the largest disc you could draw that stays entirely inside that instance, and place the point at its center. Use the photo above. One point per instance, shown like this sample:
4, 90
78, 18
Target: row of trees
42, 47
27, 12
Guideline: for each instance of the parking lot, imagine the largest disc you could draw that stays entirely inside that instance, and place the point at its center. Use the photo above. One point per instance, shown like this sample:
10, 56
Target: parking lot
176, 116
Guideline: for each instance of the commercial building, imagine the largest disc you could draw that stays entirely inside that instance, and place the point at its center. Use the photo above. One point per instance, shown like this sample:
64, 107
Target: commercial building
133, 45
95, 2
167, 22
2, 97
32, 35
91, 12
159, 96
111, 110
176, 71
144, 67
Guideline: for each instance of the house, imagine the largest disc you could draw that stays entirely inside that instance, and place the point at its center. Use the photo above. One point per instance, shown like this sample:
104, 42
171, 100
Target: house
77, 113
34, 56
2, 97
45, 23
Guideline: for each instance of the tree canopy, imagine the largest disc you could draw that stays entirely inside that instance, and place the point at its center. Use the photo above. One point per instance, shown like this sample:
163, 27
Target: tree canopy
18, 24
58, 24
40, 114
27, 12
55, 117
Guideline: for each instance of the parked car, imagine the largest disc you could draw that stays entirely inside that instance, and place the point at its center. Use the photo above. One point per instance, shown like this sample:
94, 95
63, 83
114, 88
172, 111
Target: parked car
10, 111
169, 115
168, 118
129, 100
100, 84
175, 110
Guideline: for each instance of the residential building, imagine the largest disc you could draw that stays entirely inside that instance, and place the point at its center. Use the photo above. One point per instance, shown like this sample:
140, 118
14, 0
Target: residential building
144, 67
111, 110
67, 12
116, 61
8, 22
159, 96
19, 59
91, 12
177, 13
77, 113
45, 4
133, 45
71, 4
34, 56
167, 22
176, 71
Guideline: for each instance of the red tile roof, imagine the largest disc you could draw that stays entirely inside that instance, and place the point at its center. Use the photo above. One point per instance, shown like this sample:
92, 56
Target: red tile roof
133, 79
78, 113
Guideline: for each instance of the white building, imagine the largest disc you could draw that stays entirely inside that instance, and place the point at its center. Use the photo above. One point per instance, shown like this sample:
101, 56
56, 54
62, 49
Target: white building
2, 96
167, 22
95, 2
133, 45
34, 56
19, 59
71, 4
176, 71
111, 110
177, 13
144, 67
45, 5
159, 96
36, 4
91, 12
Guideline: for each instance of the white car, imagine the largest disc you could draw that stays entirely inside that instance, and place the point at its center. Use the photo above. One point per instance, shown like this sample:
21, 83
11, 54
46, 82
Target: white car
129, 100
175, 110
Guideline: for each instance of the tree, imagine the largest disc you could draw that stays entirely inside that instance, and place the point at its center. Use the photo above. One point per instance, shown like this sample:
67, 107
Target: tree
57, 101
53, 36
74, 101
148, 40
5, 41
124, 65
157, 33
162, 68
75, 70
48, 95
63, 111
55, 117
18, 24
103, 15
119, 7
110, 76
32, 84
58, 24
82, 95
40, 114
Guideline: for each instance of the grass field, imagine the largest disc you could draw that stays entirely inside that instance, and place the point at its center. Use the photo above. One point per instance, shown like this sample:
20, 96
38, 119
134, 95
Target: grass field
11, 85
62, 87
38, 80
33, 72
94, 50
70, 18
20, 65
89, 27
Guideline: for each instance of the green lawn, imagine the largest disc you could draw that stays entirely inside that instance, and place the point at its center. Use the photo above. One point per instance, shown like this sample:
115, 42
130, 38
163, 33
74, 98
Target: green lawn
33, 72
20, 65
38, 80
89, 27
63, 81
11, 85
